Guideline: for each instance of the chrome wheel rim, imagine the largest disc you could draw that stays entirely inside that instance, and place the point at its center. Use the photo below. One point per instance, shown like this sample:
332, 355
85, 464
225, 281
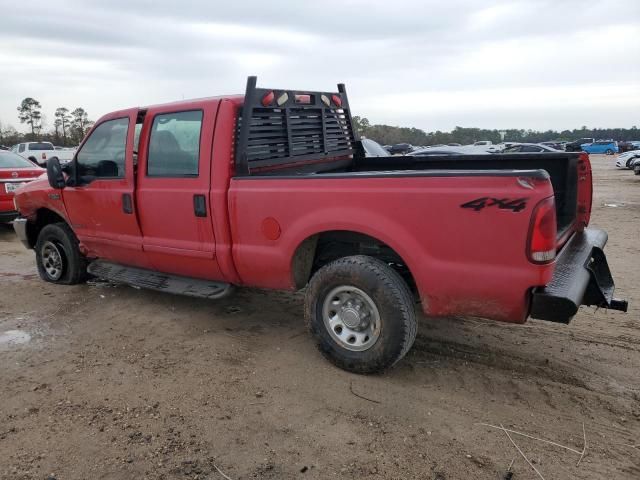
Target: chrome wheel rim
351, 318
52, 260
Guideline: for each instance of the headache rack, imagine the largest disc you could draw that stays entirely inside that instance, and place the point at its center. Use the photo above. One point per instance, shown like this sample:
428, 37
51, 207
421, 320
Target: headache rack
287, 128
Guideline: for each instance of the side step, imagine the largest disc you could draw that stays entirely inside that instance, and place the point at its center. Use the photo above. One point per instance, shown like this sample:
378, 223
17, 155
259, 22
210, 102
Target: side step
163, 282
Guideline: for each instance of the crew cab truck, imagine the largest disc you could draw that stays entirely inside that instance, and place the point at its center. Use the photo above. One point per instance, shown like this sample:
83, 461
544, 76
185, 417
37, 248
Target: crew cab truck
40, 152
272, 190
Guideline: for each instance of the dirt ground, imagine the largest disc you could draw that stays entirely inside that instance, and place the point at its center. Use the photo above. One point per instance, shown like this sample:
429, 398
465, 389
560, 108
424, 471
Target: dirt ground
109, 382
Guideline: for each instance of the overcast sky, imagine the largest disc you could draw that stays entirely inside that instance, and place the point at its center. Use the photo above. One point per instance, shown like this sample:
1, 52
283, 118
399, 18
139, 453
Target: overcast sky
429, 64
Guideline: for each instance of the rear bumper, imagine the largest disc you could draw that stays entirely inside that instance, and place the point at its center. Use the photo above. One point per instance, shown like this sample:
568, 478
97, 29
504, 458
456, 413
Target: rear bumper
6, 217
581, 277
20, 226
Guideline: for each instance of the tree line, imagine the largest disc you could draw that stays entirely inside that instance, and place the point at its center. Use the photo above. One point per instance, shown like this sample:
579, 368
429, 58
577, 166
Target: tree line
389, 135
69, 126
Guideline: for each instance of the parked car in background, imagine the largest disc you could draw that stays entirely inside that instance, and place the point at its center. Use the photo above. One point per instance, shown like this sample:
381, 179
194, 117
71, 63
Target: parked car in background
608, 147
4, 147
15, 171
529, 148
401, 149
624, 160
40, 152
627, 146
554, 145
446, 150
483, 143
576, 146
373, 148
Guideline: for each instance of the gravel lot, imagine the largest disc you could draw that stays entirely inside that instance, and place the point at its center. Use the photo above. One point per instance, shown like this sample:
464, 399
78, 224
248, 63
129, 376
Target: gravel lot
109, 382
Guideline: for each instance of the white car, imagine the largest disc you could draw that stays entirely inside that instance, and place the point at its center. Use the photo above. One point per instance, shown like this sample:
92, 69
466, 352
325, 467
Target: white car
624, 159
40, 152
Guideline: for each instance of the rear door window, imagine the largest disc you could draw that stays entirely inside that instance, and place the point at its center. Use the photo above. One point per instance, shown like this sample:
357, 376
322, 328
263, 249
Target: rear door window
174, 145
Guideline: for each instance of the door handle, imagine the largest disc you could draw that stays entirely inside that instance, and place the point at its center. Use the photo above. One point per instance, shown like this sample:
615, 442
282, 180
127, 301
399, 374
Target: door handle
127, 203
200, 205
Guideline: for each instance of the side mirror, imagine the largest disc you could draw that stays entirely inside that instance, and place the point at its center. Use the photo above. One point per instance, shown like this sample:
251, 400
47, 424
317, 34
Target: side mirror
54, 173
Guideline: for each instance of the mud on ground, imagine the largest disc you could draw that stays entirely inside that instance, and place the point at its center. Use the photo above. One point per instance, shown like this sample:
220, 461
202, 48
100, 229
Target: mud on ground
110, 382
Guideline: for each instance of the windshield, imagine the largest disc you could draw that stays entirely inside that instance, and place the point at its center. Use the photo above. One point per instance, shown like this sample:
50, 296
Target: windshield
373, 149
41, 146
11, 160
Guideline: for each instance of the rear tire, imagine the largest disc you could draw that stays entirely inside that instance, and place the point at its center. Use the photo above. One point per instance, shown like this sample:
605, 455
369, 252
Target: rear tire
58, 256
609, 152
361, 314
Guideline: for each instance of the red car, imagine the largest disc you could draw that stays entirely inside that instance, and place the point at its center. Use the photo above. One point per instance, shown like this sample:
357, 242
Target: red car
273, 190
15, 171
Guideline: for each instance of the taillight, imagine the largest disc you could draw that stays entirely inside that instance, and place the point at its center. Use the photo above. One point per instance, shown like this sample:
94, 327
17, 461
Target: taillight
541, 246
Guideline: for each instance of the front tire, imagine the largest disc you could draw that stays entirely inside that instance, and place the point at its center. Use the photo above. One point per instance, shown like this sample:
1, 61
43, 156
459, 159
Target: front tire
609, 152
361, 314
58, 256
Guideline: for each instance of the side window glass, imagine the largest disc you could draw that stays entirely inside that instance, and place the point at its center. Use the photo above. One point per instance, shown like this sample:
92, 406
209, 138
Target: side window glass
103, 154
21, 147
174, 145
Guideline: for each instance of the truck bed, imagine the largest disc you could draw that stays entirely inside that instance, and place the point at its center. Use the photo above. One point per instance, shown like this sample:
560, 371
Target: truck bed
561, 167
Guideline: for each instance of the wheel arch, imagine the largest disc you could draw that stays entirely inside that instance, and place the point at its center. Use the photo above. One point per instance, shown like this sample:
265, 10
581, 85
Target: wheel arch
323, 247
43, 217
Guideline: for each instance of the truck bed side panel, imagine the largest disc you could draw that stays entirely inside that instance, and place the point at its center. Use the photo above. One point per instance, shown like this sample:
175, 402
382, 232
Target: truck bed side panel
464, 261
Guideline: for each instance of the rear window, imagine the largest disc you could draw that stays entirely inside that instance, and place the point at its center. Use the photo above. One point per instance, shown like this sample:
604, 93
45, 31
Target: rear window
41, 146
11, 160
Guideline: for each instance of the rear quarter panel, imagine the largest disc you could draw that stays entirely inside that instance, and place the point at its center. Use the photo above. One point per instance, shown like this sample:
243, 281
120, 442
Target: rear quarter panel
464, 262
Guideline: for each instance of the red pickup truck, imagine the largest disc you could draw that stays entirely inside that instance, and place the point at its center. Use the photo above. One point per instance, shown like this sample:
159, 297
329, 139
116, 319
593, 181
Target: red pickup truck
272, 190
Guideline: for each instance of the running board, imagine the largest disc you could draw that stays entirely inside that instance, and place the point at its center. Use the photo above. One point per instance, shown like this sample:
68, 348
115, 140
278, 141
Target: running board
162, 282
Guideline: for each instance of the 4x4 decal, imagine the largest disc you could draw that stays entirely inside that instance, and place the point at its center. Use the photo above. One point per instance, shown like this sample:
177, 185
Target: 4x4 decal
514, 205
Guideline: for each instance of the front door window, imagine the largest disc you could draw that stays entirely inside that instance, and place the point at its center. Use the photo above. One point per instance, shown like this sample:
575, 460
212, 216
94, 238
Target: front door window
103, 154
